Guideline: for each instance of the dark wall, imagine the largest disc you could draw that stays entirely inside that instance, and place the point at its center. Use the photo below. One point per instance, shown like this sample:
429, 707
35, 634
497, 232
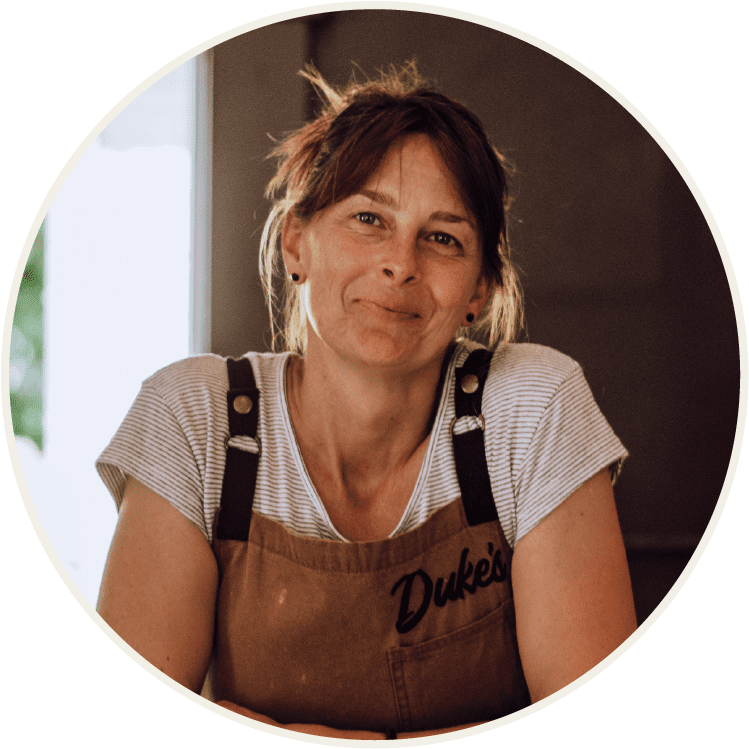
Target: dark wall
619, 266
256, 93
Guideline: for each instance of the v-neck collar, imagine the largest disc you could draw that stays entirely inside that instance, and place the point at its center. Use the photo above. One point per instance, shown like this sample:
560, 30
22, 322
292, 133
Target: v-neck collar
281, 384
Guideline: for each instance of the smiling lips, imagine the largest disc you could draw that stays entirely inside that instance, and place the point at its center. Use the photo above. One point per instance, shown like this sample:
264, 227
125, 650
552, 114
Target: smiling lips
388, 310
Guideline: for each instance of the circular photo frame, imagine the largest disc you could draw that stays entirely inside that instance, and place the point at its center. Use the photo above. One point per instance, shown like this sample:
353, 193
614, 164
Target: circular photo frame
147, 255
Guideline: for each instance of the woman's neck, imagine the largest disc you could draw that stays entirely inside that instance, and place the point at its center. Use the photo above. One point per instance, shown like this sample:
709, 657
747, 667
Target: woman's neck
363, 434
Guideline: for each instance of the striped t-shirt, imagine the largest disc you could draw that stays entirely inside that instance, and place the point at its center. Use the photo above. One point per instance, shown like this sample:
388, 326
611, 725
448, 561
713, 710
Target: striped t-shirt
544, 437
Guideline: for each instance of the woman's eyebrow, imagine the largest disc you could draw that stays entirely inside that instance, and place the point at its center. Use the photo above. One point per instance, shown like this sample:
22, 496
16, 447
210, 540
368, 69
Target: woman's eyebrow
389, 202
451, 218
379, 197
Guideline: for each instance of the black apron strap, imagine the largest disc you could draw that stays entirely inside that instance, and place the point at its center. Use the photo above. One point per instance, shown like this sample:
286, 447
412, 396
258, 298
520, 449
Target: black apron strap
240, 474
468, 447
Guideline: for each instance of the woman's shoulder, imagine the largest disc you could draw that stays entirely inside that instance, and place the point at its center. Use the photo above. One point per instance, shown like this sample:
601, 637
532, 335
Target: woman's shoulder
205, 373
525, 377
531, 363
525, 365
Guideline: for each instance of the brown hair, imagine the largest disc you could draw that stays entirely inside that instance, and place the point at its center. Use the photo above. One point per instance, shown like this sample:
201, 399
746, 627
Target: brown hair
331, 157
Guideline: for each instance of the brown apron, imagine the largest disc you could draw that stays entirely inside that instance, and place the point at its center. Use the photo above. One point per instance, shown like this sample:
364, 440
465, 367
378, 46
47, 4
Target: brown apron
408, 633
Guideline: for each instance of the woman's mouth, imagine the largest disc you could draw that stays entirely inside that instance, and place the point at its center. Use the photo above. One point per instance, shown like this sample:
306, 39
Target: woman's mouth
388, 310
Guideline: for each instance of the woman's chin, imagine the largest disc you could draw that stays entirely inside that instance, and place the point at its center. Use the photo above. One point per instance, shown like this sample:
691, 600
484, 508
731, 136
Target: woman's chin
380, 347
387, 351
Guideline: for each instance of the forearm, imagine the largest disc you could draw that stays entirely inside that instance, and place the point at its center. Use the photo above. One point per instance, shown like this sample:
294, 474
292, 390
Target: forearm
435, 732
309, 728
335, 733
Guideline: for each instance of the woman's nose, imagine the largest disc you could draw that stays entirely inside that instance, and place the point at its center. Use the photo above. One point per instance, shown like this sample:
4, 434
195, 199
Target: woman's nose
400, 263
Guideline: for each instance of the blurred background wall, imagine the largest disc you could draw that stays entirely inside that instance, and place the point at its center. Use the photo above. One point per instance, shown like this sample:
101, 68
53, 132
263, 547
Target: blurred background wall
619, 266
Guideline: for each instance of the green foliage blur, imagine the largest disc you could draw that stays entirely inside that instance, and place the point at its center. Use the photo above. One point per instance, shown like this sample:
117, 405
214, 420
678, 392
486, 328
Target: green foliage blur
26, 349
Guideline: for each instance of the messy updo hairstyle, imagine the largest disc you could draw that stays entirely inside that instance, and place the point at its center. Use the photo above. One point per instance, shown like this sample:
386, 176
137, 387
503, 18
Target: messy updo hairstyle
333, 156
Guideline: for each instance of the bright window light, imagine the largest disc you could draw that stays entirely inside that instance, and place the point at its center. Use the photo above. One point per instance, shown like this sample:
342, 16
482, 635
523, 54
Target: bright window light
116, 308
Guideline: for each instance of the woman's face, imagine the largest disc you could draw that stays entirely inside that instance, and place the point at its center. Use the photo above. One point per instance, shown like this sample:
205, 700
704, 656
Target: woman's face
390, 272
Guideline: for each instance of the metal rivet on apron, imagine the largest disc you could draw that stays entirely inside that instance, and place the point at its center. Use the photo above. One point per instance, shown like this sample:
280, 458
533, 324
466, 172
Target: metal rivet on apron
469, 384
242, 404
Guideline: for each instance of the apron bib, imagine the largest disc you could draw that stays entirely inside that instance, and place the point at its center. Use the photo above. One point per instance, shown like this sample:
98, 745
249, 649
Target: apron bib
408, 633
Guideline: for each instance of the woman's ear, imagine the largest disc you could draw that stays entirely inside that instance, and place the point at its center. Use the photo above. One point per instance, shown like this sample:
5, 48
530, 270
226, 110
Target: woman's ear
484, 290
291, 239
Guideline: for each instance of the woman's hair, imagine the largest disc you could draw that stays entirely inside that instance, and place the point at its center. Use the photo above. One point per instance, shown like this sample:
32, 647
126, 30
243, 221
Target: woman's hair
333, 156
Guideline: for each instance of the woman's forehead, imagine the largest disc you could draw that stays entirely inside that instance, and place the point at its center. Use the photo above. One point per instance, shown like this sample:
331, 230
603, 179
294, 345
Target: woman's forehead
414, 162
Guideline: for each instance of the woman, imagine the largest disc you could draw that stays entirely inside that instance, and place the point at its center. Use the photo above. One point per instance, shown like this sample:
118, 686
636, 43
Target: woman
415, 534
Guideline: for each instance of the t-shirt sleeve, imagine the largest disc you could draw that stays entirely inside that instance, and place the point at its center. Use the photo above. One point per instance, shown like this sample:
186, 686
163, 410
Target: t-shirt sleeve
571, 442
151, 445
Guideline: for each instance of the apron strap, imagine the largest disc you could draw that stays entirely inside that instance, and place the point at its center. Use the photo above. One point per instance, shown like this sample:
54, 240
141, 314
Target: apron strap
243, 446
467, 431
242, 453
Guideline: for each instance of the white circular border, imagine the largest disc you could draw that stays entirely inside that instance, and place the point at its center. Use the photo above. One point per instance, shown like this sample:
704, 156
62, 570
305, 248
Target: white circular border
481, 21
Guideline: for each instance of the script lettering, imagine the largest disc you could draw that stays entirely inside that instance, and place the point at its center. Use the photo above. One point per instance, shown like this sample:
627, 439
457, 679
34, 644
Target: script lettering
467, 579
408, 619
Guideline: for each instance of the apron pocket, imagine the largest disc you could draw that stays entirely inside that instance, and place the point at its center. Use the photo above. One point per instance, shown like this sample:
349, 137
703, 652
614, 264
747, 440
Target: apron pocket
470, 675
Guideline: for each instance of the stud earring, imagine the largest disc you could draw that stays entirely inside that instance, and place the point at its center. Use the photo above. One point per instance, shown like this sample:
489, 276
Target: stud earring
470, 317
294, 277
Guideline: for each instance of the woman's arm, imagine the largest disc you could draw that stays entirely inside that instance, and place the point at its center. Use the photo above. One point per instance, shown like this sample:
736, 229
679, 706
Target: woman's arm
334, 733
573, 596
159, 586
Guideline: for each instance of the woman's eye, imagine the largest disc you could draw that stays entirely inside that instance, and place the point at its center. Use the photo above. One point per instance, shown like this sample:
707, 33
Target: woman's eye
446, 239
367, 218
